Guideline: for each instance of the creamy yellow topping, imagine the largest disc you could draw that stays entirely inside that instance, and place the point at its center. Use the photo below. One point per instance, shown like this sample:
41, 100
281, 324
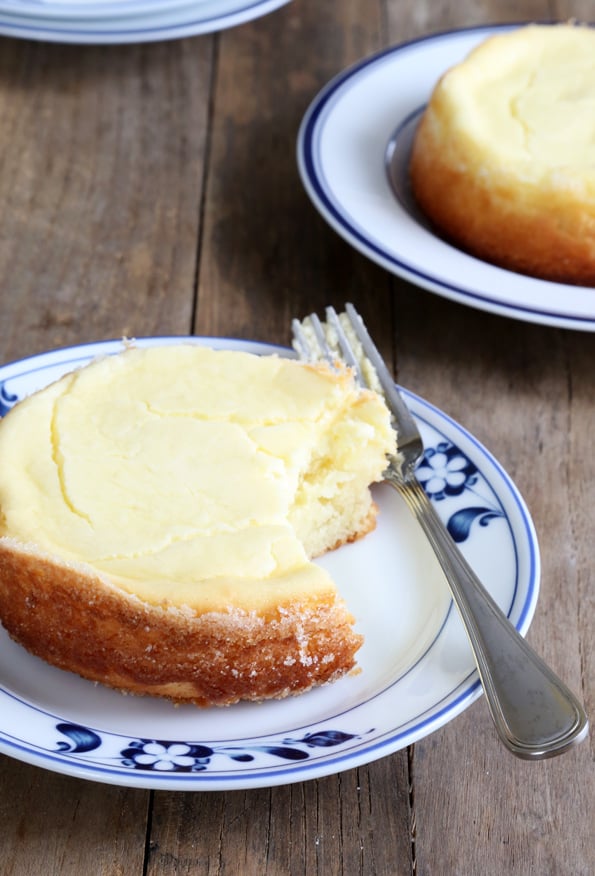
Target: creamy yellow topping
528, 96
183, 473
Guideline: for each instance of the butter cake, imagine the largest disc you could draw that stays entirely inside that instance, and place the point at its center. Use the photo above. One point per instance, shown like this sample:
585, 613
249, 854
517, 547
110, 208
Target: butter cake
503, 160
159, 512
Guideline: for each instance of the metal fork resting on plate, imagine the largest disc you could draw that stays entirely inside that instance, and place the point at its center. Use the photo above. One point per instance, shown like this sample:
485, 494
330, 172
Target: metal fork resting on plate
535, 714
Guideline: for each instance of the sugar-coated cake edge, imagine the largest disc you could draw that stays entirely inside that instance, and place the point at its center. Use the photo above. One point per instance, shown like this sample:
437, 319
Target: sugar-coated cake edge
215, 658
80, 619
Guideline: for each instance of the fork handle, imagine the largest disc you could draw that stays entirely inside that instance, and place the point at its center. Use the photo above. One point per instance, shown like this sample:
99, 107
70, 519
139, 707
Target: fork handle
535, 714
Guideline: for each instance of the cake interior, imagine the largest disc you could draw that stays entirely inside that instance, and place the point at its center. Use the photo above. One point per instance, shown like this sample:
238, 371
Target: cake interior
527, 98
193, 477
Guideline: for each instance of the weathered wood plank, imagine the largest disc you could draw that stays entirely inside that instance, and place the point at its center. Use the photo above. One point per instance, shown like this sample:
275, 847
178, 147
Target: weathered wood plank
477, 810
61, 826
267, 255
99, 236
409, 19
100, 180
352, 824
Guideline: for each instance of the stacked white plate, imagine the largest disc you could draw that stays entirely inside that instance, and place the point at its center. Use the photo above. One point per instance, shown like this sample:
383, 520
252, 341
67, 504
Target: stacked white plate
124, 21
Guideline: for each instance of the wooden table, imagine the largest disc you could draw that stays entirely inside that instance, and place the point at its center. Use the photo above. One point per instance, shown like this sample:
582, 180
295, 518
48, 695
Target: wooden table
152, 189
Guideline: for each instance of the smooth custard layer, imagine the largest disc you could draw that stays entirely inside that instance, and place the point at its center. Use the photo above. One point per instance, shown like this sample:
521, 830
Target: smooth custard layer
194, 477
528, 97
503, 160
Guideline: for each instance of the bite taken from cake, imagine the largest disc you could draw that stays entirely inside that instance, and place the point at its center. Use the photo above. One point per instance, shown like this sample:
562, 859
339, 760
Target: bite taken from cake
160, 510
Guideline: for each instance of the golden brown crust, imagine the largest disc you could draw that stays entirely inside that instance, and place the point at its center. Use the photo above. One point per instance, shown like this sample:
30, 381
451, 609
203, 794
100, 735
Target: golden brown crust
536, 228
169, 608
367, 525
79, 622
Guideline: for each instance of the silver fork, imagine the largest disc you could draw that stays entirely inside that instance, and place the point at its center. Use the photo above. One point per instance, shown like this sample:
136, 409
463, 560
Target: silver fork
535, 714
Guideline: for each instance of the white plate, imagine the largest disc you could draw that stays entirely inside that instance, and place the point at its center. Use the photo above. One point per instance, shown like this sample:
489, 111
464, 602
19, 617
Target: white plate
345, 139
104, 9
417, 672
173, 19
91, 9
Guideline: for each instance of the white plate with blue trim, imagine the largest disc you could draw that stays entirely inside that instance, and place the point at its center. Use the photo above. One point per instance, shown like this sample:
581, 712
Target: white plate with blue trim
166, 20
416, 670
353, 150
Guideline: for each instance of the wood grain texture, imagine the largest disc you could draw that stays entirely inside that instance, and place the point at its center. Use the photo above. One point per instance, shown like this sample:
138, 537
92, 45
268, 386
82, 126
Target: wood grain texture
101, 176
267, 255
503, 815
101, 171
326, 827
60, 826
531, 813
154, 189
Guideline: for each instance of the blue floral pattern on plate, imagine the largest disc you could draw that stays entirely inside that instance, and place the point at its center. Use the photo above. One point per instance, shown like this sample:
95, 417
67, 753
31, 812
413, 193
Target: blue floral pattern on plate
7, 400
188, 757
445, 471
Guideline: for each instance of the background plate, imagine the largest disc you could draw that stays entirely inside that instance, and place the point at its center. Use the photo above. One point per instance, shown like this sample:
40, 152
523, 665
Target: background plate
171, 20
350, 130
417, 672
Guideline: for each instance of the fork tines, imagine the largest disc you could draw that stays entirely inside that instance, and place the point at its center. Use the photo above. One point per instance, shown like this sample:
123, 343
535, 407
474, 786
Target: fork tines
344, 338
314, 340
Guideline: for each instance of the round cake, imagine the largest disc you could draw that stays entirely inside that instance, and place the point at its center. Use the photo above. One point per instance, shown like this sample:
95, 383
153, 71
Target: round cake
503, 161
159, 510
